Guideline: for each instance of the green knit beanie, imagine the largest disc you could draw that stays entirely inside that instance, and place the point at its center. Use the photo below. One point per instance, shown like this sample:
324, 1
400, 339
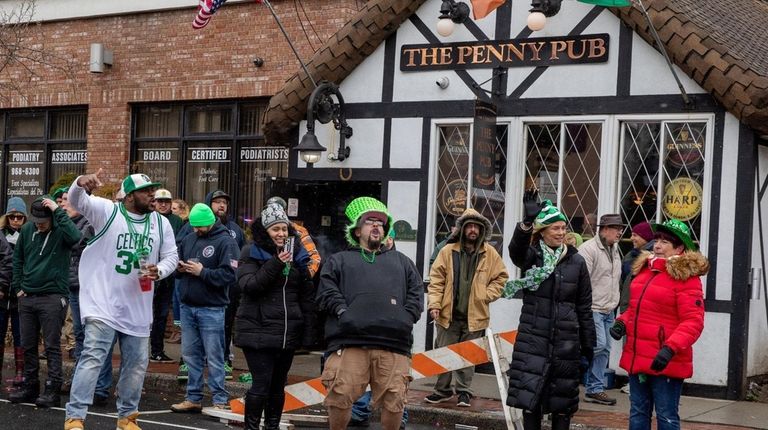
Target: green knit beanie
548, 216
359, 207
201, 215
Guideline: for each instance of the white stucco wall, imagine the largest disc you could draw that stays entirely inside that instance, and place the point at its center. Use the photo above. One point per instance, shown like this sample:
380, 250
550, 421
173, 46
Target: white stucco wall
757, 355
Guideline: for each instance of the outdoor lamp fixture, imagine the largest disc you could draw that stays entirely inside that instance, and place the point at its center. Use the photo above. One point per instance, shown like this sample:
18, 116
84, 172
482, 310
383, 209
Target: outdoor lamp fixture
451, 13
100, 57
324, 109
540, 11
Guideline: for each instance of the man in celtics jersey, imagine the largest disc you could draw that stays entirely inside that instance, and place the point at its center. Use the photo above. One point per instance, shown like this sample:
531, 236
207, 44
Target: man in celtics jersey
133, 247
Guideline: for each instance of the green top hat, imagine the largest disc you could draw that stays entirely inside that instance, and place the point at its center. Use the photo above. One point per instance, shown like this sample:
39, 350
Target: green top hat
678, 229
359, 207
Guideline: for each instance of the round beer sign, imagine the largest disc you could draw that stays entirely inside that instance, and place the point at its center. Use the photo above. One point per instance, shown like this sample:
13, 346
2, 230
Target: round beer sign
682, 199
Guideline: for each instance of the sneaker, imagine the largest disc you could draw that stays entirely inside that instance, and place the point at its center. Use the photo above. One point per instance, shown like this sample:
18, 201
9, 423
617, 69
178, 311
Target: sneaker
465, 400
600, 398
183, 374
128, 423
625, 389
227, 371
436, 398
359, 423
74, 424
221, 406
160, 357
187, 407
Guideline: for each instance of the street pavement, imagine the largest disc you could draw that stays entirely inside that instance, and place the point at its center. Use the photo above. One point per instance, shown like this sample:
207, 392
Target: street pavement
162, 389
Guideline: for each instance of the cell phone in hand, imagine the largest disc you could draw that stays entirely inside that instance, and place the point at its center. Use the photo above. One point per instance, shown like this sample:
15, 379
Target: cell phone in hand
288, 246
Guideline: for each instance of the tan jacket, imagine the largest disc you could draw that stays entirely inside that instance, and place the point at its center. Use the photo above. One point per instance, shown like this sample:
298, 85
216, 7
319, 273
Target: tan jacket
487, 284
605, 276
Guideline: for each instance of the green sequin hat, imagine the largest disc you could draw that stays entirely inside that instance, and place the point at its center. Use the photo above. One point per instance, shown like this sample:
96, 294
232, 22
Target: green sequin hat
678, 229
361, 206
548, 215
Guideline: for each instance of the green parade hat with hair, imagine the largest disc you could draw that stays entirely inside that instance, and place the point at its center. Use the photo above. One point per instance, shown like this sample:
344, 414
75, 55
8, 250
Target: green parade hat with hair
548, 215
359, 207
678, 229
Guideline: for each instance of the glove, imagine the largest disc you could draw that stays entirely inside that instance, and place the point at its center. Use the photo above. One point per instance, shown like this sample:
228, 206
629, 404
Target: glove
531, 206
588, 353
662, 358
618, 330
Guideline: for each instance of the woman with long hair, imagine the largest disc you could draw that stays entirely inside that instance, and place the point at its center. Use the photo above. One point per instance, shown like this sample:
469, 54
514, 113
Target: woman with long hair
556, 327
276, 314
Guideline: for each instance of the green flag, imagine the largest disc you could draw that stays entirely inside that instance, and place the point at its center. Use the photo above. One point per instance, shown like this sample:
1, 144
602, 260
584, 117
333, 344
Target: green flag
609, 3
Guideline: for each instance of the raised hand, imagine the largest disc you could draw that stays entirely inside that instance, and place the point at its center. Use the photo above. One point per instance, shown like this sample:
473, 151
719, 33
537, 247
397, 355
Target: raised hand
90, 182
531, 205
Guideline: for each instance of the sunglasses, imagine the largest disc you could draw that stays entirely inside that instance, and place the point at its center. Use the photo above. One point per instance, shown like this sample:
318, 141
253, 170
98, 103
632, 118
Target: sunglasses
16, 217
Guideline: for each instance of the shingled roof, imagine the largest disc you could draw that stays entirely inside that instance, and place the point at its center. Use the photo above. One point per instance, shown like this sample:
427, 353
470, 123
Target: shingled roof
720, 44
335, 60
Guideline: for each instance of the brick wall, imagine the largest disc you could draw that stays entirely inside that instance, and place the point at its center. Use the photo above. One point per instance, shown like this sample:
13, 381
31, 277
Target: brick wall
159, 57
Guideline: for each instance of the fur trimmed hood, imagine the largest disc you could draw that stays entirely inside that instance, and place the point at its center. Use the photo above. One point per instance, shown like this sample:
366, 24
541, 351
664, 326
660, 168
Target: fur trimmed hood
681, 267
473, 216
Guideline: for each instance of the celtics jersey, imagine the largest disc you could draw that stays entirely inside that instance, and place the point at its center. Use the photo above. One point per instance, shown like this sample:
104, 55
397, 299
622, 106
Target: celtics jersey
108, 273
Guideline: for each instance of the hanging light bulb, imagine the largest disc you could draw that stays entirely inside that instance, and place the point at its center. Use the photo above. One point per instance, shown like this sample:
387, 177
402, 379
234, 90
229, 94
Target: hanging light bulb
536, 21
445, 27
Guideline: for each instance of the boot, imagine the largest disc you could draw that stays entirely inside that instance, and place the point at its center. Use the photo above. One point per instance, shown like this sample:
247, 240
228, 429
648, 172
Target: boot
561, 422
2, 354
27, 393
18, 356
531, 420
50, 397
254, 406
273, 411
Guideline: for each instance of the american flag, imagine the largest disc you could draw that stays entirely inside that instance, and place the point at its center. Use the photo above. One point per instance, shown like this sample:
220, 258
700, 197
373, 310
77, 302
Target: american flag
206, 9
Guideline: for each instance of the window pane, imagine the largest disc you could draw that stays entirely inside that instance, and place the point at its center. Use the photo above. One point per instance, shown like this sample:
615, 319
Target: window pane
25, 172
209, 167
683, 177
69, 125
542, 161
27, 126
155, 121
452, 176
251, 116
259, 165
639, 173
209, 120
159, 161
68, 158
489, 200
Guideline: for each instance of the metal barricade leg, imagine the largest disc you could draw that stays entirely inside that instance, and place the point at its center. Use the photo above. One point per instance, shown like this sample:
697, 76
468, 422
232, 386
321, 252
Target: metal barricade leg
513, 417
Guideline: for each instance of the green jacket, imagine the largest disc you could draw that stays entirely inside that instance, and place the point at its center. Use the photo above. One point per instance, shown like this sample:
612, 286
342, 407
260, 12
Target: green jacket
41, 260
175, 221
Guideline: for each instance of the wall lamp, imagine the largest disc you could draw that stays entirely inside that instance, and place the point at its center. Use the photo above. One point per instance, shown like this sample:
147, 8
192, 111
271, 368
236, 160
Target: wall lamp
100, 57
451, 13
324, 109
540, 11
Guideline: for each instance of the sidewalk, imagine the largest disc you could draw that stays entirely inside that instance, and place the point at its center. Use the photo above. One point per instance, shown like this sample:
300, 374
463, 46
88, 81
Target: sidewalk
486, 412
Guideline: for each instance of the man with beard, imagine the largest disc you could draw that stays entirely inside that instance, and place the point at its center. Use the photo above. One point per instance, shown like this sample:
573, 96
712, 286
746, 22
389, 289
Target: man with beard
467, 275
368, 347
40, 266
219, 201
207, 262
133, 246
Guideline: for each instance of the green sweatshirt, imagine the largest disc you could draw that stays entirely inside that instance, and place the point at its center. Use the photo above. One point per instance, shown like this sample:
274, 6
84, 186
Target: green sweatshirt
41, 260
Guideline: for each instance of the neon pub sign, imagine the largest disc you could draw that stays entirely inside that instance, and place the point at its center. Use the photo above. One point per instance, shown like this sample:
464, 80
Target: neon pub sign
527, 52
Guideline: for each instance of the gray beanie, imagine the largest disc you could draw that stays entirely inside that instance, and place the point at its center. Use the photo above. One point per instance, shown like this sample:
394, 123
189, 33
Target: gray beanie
273, 214
16, 204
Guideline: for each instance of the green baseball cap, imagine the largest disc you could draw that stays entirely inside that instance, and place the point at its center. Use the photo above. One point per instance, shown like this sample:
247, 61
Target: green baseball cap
137, 181
678, 229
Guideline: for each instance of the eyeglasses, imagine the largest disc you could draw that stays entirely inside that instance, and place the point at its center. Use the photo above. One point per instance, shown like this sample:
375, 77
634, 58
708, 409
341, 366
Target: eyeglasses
373, 223
16, 217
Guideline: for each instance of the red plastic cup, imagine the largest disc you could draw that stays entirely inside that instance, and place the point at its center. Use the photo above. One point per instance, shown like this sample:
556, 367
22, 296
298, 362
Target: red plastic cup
145, 284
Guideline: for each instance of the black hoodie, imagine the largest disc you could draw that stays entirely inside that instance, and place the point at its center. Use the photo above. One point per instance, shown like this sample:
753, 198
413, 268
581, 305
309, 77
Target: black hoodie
218, 252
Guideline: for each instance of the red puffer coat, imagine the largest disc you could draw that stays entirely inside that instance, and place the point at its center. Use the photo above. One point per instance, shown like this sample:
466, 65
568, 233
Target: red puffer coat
666, 307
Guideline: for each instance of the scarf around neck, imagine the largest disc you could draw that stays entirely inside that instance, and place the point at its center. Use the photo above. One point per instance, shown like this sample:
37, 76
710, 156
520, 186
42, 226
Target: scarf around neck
535, 275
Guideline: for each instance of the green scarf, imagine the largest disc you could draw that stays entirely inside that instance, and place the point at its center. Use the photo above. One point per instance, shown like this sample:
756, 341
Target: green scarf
535, 275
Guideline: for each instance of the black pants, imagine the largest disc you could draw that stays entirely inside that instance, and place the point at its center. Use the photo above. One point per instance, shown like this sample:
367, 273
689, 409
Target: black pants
47, 313
161, 305
229, 321
269, 369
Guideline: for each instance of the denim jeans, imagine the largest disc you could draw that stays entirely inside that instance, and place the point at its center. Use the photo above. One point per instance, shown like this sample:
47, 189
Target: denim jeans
657, 392
161, 304
104, 384
134, 357
202, 338
361, 409
46, 313
77, 325
176, 302
596, 374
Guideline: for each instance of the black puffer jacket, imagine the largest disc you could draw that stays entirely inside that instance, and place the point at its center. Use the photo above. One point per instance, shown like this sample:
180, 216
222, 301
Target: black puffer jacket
556, 327
276, 311
6, 272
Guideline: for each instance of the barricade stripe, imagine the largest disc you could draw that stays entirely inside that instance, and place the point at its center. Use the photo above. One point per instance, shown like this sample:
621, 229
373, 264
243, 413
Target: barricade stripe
317, 384
470, 351
292, 403
509, 336
426, 366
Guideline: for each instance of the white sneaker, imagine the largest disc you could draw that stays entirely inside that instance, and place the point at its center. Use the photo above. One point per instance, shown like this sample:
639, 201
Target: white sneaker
625, 389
